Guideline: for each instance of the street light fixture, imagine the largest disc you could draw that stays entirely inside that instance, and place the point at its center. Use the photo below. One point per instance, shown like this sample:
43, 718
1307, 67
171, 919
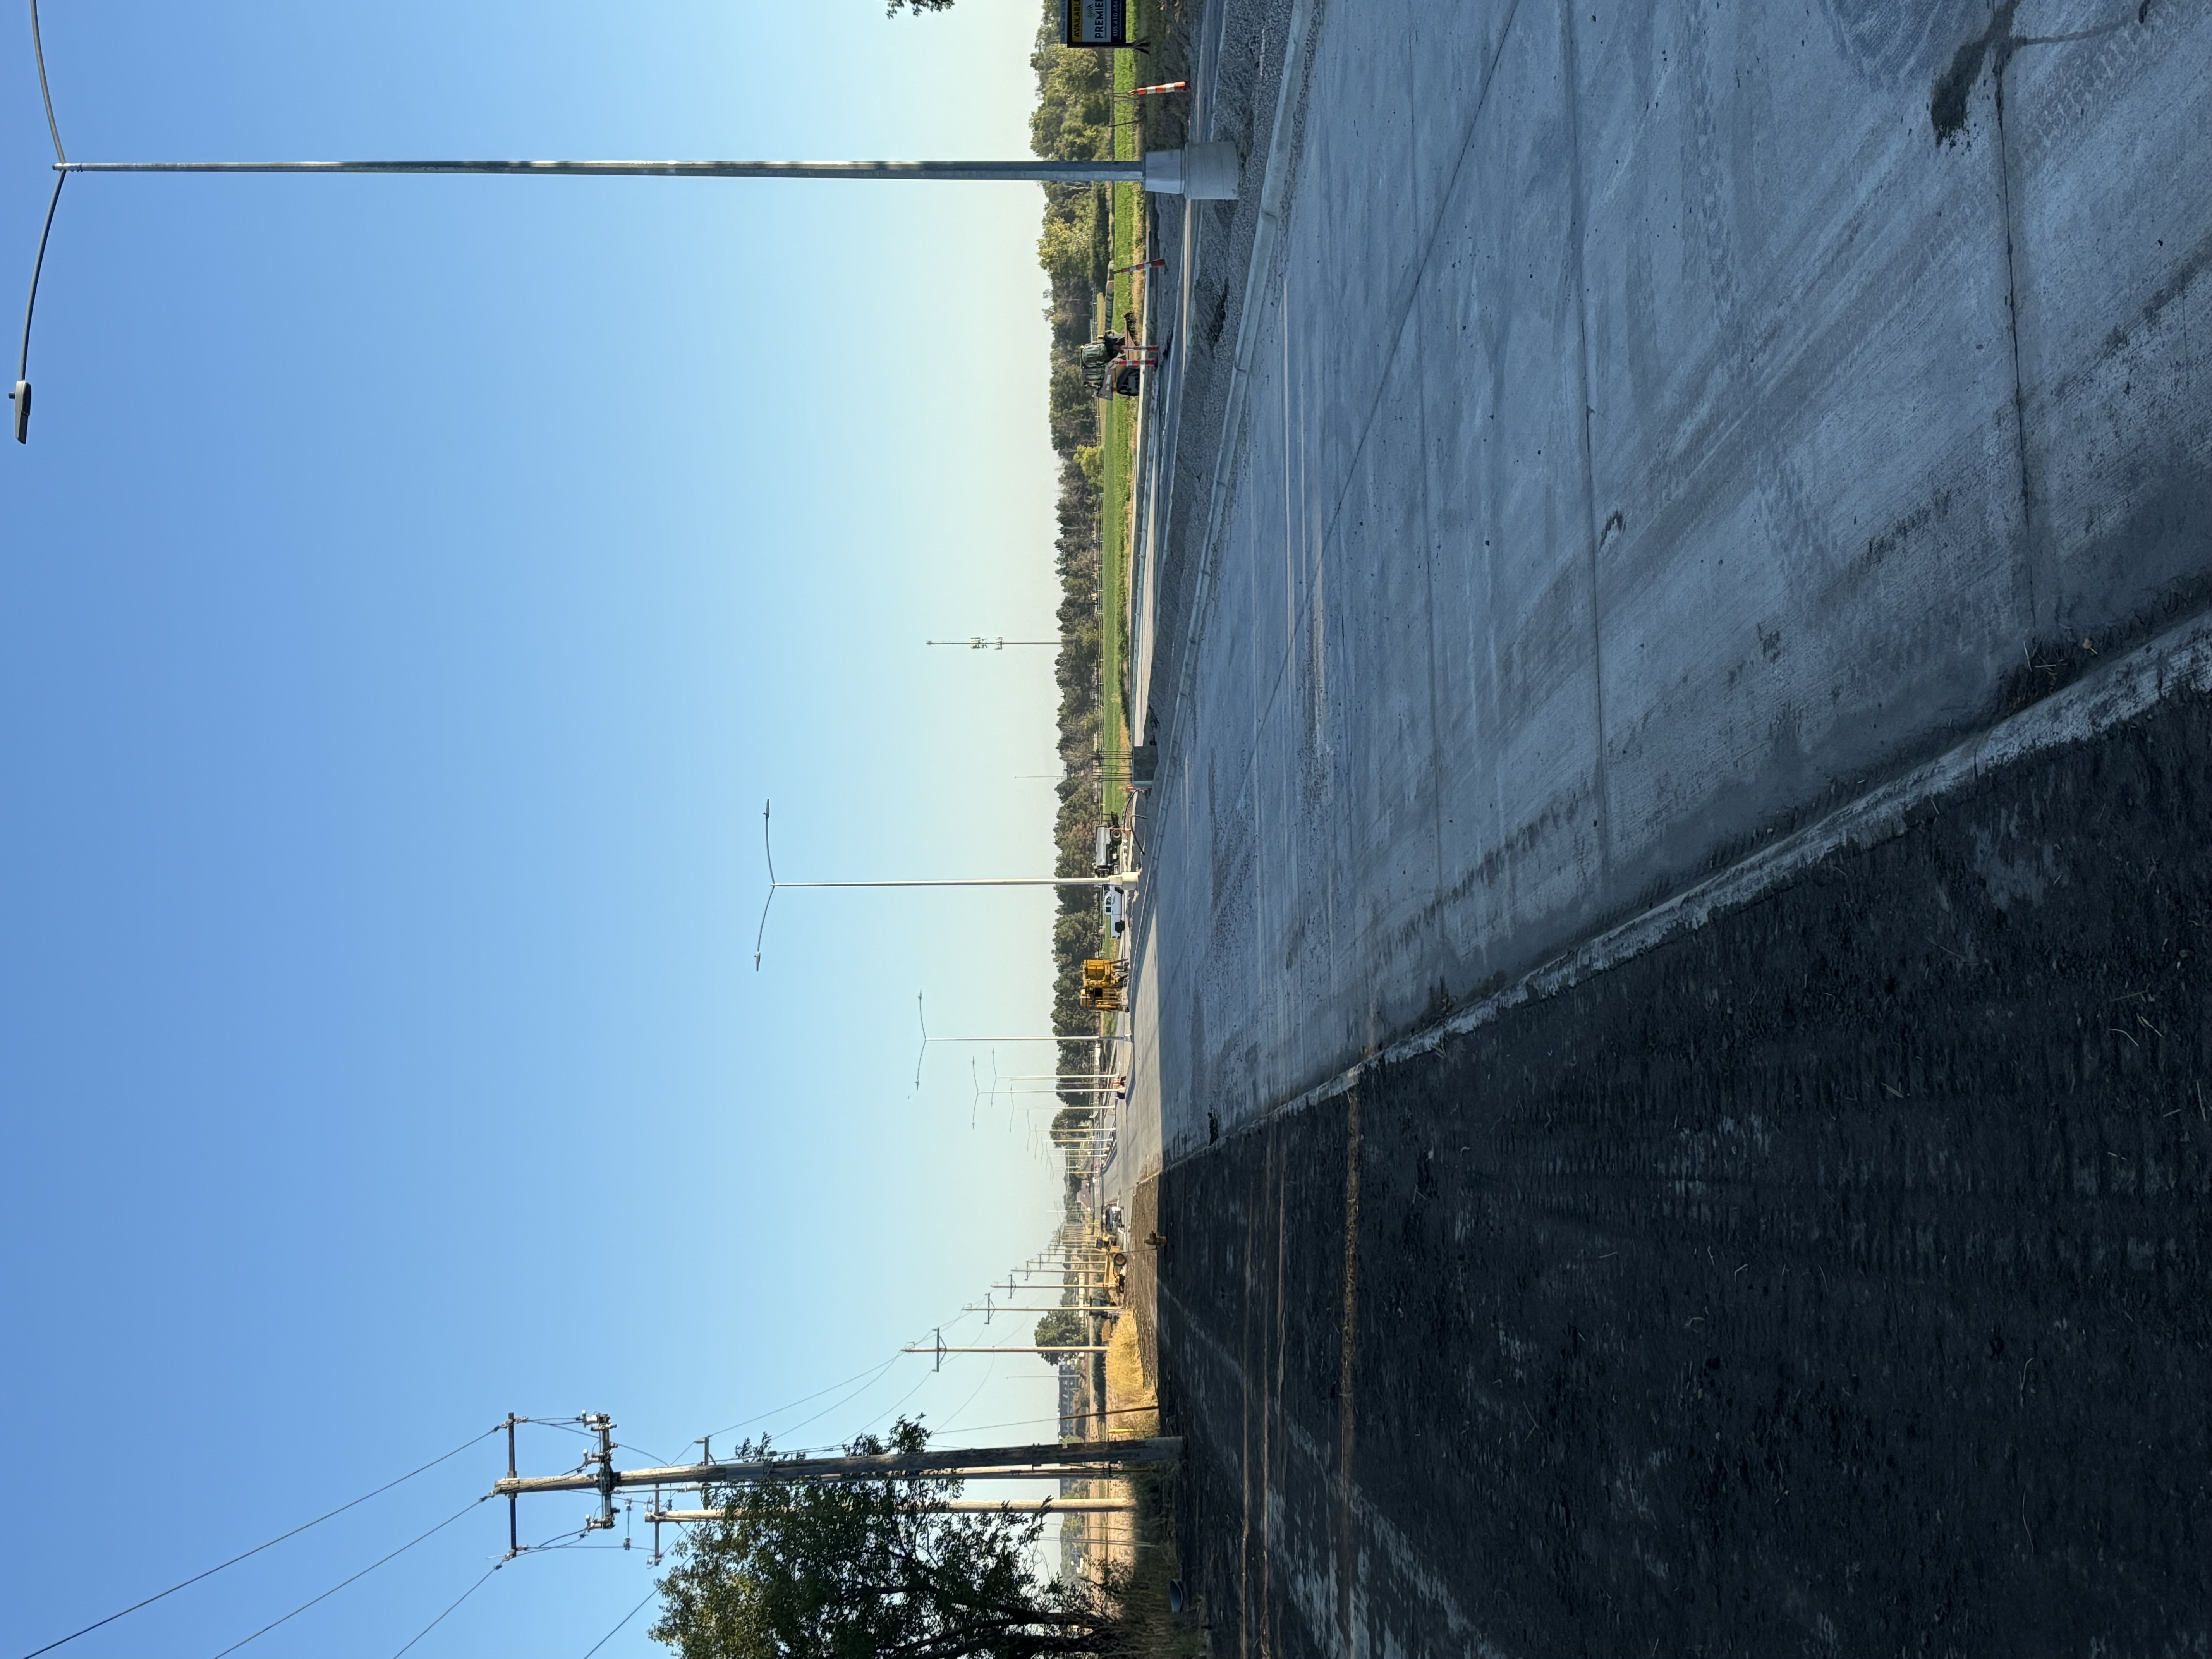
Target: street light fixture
1198, 172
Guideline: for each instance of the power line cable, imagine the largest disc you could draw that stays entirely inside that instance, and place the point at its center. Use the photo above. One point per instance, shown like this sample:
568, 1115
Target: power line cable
1039, 1422
870, 1376
960, 1318
900, 1405
778, 1411
363, 1573
626, 1617
839, 1405
457, 1601
988, 1370
271, 1543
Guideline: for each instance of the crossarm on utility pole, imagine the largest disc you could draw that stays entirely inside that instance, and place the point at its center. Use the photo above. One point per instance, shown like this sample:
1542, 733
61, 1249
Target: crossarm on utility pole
963, 1460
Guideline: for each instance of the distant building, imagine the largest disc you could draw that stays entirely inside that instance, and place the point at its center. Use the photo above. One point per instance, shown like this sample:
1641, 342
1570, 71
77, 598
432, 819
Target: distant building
1070, 1400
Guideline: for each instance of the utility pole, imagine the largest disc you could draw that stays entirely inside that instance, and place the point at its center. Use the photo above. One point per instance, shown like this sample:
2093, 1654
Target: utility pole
939, 1349
966, 1462
1076, 1347
964, 1507
978, 643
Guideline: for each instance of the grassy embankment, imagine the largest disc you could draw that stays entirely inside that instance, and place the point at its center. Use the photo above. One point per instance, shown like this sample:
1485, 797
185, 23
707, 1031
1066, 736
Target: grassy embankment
1120, 441
1075, 120
1087, 232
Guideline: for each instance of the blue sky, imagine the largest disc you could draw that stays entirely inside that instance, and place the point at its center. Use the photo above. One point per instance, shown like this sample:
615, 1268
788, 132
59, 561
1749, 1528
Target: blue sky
412, 589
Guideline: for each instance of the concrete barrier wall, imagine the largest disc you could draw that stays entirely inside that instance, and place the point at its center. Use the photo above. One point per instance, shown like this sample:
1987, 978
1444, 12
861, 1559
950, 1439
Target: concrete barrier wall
1665, 420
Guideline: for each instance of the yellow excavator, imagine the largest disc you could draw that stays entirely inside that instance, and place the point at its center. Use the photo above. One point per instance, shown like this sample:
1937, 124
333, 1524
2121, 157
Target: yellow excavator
1105, 985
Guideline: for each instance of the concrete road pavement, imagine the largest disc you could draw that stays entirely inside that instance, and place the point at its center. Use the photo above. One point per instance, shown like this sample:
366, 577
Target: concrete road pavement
1661, 422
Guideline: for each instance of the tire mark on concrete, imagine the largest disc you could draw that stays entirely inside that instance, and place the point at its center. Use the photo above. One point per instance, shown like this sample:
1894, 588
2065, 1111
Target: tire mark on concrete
1577, 195
1241, 462
2038, 565
1438, 767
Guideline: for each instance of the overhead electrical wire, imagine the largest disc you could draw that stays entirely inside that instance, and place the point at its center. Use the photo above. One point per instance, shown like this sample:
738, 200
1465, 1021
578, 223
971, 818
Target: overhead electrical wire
363, 1573
763, 1417
626, 1617
873, 1379
901, 1404
1039, 1422
866, 1379
456, 1602
188, 1583
988, 1370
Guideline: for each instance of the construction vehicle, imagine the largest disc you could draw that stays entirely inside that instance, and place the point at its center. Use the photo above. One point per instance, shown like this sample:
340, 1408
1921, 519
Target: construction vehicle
1105, 984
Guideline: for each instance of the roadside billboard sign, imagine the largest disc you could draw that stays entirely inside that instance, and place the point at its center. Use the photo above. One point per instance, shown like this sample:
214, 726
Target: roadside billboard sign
1095, 23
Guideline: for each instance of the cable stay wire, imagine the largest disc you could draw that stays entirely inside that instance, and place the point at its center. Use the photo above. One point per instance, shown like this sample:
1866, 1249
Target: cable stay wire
188, 1583
363, 1573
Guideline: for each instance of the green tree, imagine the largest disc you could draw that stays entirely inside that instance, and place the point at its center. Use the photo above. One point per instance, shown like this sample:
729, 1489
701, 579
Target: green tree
1062, 1327
874, 1568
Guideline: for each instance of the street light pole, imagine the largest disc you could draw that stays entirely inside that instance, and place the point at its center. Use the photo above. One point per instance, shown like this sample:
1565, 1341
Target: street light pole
1125, 878
1203, 172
